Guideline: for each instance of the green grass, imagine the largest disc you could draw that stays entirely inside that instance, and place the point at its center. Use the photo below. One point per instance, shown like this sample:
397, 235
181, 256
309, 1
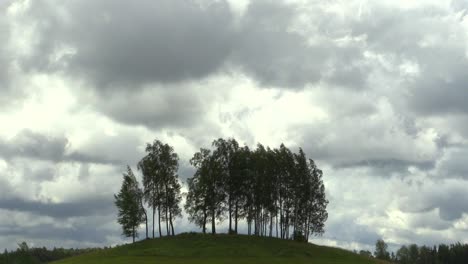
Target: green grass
198, 248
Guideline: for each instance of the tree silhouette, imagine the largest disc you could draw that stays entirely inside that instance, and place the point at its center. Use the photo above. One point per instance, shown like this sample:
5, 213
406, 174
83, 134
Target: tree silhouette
161, 184
271, 189
128, 202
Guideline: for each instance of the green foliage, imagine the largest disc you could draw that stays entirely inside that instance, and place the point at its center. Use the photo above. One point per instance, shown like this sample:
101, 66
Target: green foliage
381, 250
26, 255
199, 248
277, 191
365, 253
161, 184
443, 254
299, 237
130, 214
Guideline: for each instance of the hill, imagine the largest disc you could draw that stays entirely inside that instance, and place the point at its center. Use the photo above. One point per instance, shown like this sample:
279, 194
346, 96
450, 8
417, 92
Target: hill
198, 248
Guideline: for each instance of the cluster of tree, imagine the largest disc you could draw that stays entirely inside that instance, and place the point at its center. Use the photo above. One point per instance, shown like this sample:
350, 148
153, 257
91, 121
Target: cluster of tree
273, 190
414, 254
441, 254
27, 255
277, 192
160, 191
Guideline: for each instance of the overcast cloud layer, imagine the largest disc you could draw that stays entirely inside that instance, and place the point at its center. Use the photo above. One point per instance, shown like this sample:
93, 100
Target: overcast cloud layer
374, 91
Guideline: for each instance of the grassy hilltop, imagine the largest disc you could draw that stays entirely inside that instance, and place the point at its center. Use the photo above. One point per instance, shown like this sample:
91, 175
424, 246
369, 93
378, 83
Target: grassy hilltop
198, 248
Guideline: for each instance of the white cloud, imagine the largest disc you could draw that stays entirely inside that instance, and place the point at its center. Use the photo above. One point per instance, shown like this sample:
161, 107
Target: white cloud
376, 95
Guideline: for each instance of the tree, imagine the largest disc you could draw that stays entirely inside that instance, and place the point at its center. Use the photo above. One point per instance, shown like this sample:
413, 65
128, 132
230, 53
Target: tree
272, 189
130, 212
23, 247
403, 255
206, 194
413, 251
227, 153
161, 184
141, 195
365, 253
381, 250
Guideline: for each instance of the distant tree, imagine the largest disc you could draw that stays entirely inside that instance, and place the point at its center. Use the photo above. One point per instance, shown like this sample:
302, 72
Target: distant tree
443, 253
403, 255
365, 253
381, 250
128, 202
23, 247
413, 251
425, 255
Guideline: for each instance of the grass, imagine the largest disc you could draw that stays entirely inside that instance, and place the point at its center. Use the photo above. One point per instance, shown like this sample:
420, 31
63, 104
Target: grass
198, 248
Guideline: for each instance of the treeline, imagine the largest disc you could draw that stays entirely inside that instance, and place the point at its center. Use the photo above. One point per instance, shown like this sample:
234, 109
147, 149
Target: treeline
278, 192
26, 255
414, 254
274, 191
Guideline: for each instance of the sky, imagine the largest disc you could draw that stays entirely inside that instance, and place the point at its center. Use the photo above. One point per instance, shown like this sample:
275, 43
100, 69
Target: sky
374, 91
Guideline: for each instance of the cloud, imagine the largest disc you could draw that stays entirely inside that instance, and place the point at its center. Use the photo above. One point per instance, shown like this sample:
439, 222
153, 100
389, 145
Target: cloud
120, 45
4, 57
453, 164
445, 195
102, 150
374, 95
34, 145
101, 205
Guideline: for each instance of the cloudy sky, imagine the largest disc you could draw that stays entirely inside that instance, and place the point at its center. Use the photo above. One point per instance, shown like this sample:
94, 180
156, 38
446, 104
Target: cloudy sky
374, 91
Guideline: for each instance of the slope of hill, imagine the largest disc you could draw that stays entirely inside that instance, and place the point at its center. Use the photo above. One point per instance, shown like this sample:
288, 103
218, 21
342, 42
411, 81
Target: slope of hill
198, 248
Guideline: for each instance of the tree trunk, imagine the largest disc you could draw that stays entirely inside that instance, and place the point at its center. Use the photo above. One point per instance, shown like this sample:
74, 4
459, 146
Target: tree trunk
154, 211
166, 210
271, 225
276, 222
159, 220
230, 213
133, 234
170, 222
213, 222
204, 221
236, 217
167, 224
146, 222
146, 217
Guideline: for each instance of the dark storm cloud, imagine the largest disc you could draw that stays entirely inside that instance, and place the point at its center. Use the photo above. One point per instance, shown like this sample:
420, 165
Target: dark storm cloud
453, 164
156, 107
144, 63
123, 45
443, 95
352, 231
431, 37
4, 61
127, 44
447, 197
141, 59
80, 233
388, 166
98, 205
33, 145
39, 174
275, 54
